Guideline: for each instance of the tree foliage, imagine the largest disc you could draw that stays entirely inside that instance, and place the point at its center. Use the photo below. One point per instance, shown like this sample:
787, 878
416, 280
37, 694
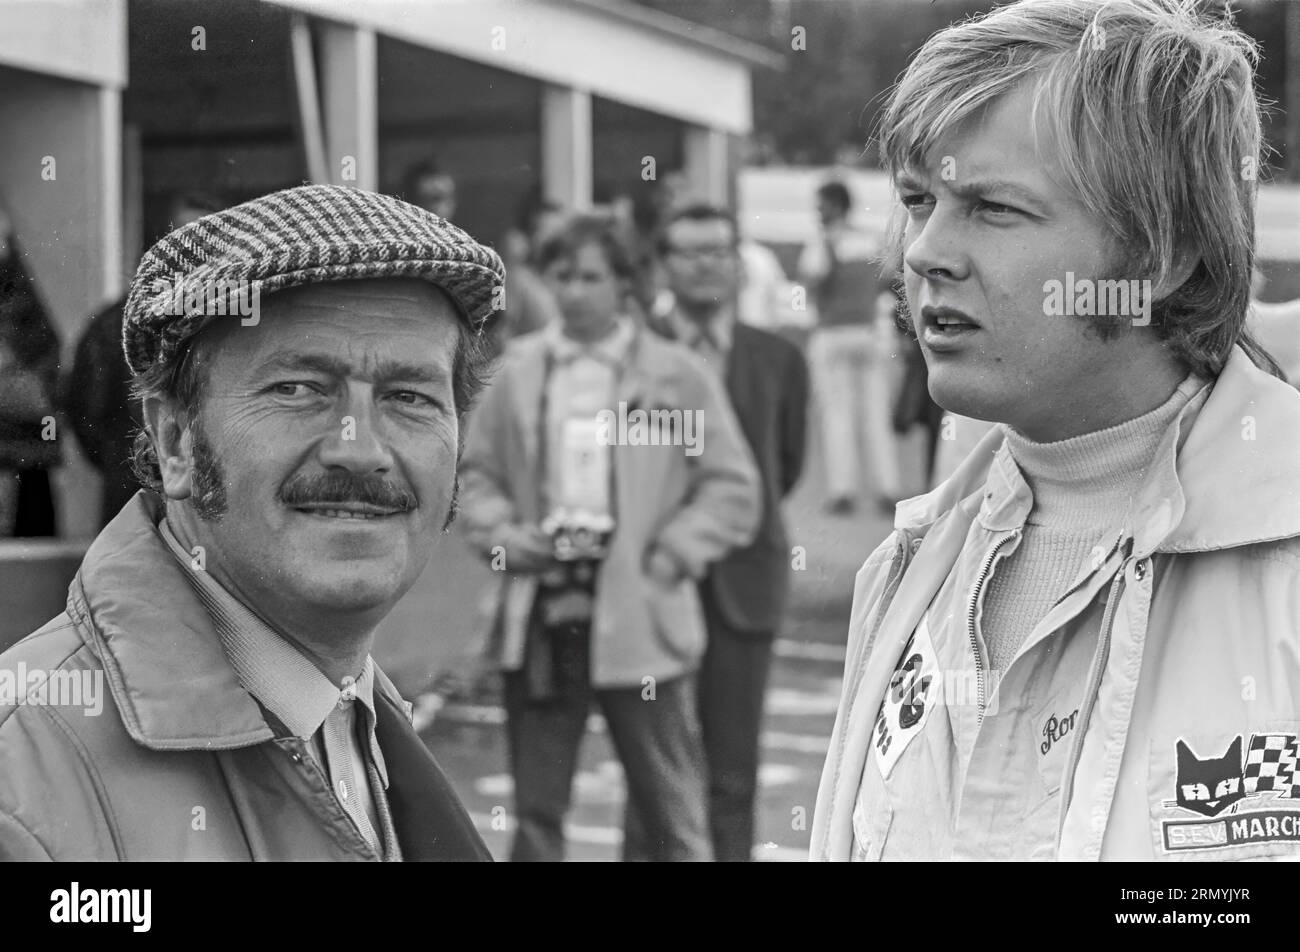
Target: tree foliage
823, 106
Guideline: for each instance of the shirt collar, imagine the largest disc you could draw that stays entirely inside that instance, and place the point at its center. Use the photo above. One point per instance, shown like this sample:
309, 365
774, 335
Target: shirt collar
268, 666
611, 349
719, 328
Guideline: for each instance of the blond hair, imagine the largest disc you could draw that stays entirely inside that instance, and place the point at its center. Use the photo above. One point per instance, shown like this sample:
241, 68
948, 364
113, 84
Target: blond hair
1154, 110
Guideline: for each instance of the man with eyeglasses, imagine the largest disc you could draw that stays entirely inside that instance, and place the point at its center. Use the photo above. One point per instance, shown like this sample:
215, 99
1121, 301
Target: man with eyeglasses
744, 593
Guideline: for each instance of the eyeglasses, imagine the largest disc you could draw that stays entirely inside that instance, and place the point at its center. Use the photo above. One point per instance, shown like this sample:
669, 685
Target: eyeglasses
713, 252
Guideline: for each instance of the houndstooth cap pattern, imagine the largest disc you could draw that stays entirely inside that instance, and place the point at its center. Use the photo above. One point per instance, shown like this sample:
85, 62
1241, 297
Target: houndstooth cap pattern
305, 235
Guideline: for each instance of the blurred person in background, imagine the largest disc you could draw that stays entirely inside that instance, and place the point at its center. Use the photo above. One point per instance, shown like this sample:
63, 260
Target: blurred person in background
667, 194
1082, 645
96, 390
428, 186
624, 217
530, 306
849, 353
29, 369
618, 620
764, 297
744, 593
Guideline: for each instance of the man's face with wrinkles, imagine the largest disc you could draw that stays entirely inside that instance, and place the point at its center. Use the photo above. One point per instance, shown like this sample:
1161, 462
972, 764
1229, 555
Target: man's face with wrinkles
326, 454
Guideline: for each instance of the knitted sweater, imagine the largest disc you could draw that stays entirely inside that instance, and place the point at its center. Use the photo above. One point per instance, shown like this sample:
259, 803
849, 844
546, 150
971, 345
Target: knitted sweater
1082, 489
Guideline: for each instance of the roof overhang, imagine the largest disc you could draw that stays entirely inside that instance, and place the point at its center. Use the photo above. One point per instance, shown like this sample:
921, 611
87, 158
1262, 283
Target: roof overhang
82, 40
628, 55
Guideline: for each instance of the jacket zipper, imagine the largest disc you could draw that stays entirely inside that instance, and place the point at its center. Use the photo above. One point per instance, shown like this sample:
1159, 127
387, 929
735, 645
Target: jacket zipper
1094, 688
1084, 581
970, 623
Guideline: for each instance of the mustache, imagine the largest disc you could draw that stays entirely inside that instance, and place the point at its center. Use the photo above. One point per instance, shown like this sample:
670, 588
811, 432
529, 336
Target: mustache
345, 487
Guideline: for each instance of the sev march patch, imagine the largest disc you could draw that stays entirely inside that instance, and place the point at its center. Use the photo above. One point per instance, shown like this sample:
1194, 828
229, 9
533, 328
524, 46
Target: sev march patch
910, 699
1248, 795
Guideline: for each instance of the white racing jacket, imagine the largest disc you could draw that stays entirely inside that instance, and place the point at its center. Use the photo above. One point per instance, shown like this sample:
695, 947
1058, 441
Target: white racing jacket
1183, 744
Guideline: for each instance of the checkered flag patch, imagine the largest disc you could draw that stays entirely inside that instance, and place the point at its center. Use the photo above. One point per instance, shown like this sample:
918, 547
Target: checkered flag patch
1271, 765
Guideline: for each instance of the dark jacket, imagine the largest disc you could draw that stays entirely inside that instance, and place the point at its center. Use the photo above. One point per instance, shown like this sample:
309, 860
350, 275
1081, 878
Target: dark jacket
181, 762
767, 384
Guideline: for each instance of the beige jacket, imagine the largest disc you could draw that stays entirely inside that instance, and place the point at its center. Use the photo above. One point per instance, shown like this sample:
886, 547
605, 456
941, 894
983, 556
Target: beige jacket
696, 507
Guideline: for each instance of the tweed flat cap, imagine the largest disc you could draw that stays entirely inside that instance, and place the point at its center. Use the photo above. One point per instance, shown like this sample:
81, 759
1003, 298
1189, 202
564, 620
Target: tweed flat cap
305, 235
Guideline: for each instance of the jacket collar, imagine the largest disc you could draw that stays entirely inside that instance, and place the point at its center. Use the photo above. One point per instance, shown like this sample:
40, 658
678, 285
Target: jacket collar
1240, 464
163, 661
1227, 473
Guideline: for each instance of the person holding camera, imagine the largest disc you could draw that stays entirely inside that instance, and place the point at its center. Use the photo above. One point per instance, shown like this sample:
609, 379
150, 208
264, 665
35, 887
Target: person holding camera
604, 472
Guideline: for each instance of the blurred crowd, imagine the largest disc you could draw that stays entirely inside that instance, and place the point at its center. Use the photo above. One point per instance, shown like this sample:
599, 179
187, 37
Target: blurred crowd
837, 306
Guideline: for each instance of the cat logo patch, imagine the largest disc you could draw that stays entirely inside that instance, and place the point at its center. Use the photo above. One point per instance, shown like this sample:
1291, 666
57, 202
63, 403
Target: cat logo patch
1235, 791
909, 700
1209, 786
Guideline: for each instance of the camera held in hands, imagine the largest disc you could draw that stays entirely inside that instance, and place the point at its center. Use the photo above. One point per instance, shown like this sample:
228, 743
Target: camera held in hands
579, 535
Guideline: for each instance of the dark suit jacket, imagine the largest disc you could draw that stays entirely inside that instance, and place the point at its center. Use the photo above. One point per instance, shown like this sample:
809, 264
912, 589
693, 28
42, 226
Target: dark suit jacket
767, 382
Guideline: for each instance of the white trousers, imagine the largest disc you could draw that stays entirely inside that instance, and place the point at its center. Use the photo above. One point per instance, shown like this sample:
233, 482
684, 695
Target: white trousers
855, 376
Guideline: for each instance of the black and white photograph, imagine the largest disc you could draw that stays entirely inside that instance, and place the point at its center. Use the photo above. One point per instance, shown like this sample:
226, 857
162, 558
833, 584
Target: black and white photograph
651, 430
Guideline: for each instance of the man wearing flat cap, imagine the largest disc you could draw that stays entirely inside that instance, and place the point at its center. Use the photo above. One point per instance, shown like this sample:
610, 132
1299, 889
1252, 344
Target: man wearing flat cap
304, 362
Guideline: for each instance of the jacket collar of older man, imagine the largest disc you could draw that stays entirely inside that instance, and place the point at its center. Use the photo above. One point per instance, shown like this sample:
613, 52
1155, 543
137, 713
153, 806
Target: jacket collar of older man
175, 689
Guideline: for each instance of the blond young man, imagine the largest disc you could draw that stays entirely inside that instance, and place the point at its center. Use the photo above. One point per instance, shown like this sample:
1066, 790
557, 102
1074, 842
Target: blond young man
1083, 644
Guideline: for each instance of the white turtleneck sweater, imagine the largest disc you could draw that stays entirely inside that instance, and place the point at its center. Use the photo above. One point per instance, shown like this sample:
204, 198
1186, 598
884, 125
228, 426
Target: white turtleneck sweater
1083, 488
